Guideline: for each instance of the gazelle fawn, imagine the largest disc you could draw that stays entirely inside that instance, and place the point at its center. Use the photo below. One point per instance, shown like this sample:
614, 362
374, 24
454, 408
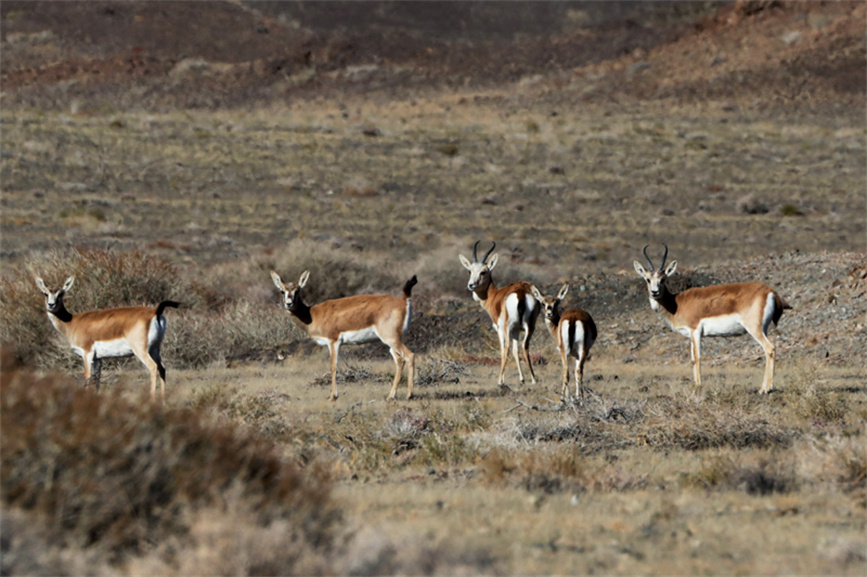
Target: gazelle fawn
574, 333
512, 309
716, 311
355, 319
111, 333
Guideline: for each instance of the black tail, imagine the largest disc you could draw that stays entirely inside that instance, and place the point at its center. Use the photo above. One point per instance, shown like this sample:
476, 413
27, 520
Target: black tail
407, 288
162, 306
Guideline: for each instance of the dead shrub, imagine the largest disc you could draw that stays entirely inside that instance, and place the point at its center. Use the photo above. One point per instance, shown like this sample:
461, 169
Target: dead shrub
726, 470
115, 474
695, 423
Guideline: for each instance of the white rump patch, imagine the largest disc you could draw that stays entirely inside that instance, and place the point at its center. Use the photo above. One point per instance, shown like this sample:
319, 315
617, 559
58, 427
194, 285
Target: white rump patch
768, 314
408, 317
722, 326
574, 347
512, 320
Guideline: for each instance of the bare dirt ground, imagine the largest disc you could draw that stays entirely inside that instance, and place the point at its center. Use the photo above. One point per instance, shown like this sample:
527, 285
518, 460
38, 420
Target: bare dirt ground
373, 141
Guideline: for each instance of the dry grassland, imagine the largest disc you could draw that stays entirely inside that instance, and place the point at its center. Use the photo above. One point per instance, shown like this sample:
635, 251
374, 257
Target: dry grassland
650, 476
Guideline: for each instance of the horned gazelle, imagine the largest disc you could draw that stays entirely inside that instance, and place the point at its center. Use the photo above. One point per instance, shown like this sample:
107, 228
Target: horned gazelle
355, 319
111, 333
716, 311
511, 308
574, 333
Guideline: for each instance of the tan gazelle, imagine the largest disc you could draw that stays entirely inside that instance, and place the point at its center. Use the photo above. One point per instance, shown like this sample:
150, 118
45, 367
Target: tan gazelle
355, 319
716, 311
110, 333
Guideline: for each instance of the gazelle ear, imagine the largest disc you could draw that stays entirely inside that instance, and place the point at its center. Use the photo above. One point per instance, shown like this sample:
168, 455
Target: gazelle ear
467, 264
68, 284
669, 270
536, 294
277, 281
640, 269
562, 292
492, 262
303, 280
40, 284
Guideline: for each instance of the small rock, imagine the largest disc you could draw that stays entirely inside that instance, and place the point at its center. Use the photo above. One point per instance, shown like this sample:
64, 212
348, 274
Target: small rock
790, 38
749, 204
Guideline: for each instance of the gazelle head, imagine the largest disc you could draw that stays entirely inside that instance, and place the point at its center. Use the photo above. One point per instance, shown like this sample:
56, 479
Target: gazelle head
550, 305
480, 270
291, 291
54, 298
656, 279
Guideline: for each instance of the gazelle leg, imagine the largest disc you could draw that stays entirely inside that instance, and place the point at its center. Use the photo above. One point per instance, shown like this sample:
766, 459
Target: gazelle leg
695, 338
504, 356
770, 357
92, 369
579, 375
401, 355
161, 370
525, 346
333, 348
564, 388
515, 346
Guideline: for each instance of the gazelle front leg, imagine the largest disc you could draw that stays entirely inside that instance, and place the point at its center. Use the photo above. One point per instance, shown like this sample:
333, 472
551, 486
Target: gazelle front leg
92, 370
333, 348
695, 348
504, 356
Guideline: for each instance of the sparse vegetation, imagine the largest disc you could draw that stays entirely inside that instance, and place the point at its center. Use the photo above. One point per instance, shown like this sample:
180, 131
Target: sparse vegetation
161, 165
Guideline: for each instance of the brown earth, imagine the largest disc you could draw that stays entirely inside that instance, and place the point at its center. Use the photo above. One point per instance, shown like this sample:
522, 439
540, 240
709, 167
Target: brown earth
783, 57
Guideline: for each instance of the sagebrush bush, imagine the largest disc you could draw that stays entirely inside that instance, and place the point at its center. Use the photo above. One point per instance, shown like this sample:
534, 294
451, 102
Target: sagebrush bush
119, 476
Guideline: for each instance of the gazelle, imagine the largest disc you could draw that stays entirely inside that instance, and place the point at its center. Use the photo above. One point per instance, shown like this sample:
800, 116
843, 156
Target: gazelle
716, 311
110, 333
574, 333
511, 308
355, 319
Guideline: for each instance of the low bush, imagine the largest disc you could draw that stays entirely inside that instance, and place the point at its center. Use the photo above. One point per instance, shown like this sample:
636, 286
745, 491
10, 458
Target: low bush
122, 478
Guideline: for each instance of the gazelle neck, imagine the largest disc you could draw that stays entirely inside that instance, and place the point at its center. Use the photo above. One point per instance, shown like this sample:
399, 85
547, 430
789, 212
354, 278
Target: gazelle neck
483, 294
666, 303
301, 313
61, 315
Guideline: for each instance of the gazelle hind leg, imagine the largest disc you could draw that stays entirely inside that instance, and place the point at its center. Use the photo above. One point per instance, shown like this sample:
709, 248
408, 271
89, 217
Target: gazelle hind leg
695, 348
579, 375
515, 346
525, 347
402, 355
161, 370
770, 357
564, 388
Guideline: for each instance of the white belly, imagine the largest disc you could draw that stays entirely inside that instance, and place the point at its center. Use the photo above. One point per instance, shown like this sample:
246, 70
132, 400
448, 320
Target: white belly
116, 348
721, 326
362, 336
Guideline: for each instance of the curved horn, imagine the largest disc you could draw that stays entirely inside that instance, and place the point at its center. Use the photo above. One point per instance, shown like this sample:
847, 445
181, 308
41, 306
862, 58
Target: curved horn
487, 254
650, 262
664, 256
475, 254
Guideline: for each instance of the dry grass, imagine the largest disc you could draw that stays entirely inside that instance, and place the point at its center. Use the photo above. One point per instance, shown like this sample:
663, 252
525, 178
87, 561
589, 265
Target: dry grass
131, 480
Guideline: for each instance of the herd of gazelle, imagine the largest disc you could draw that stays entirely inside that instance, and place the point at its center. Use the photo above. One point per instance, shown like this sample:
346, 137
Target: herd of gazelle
721, 310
